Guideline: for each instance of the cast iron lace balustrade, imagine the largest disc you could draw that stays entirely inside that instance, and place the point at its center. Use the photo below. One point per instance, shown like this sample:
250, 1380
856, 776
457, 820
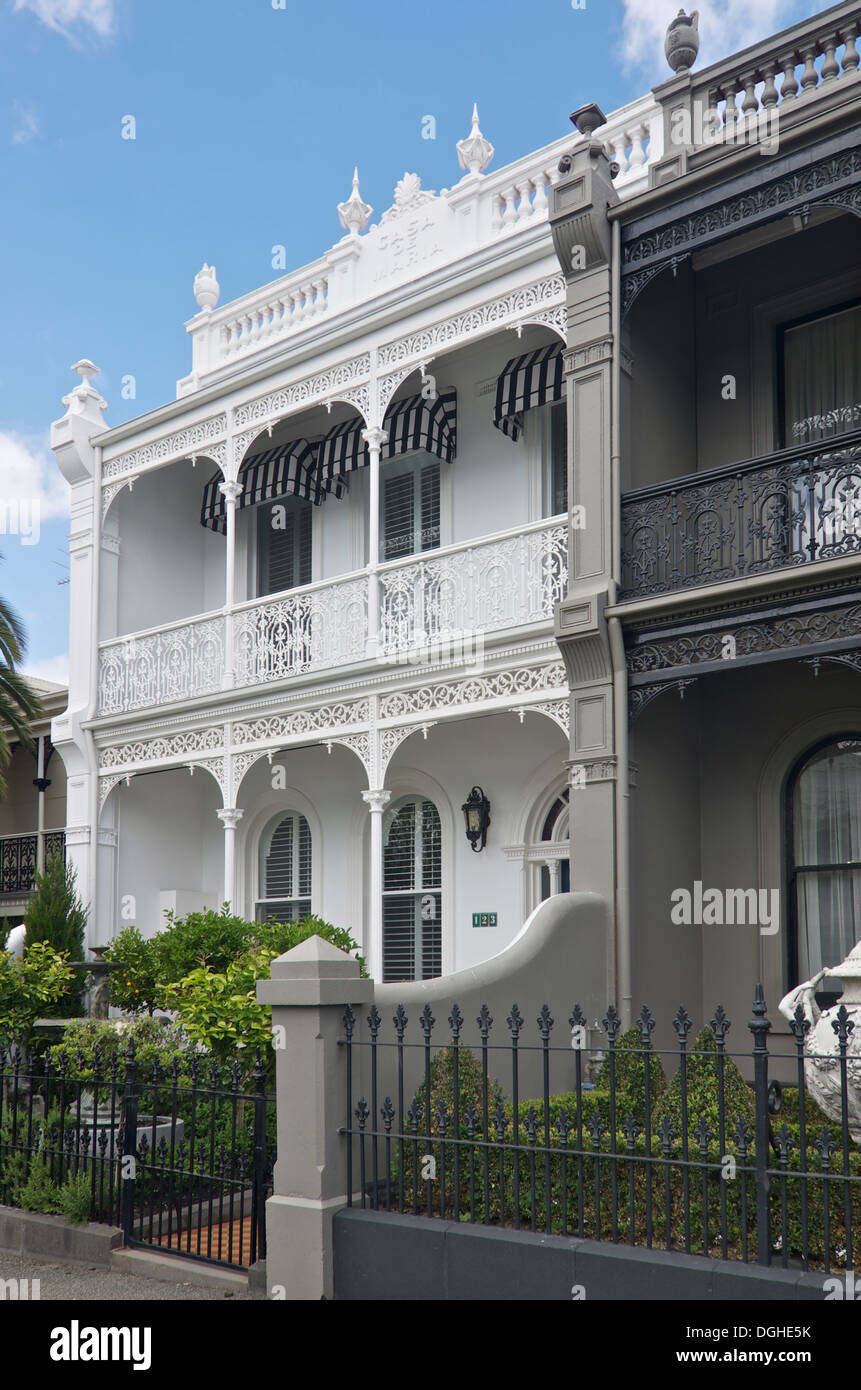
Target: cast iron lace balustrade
160, 666
778, 512
509, 580
18, 859
310, 629
491, 585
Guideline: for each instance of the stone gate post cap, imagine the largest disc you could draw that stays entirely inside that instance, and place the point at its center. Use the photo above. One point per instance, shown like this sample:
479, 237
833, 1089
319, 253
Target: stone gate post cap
315, 959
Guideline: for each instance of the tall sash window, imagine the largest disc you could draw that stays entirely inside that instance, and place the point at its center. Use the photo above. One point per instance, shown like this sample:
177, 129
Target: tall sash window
824, 853
412, 900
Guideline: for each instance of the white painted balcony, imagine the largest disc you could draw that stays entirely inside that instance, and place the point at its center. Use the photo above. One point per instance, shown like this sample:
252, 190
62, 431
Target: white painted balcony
507, 581
491, 585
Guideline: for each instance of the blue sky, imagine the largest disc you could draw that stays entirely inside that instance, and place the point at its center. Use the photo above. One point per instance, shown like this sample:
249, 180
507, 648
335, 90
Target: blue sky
249, 120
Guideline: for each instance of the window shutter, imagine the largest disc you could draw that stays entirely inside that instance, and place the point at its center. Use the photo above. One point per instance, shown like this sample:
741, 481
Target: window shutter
286, 871
430, 507
398, 516
412, 910
286, 552
558, 459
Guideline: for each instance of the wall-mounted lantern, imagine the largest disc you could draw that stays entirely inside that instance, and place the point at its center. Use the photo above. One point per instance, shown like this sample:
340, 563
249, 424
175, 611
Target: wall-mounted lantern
476, 813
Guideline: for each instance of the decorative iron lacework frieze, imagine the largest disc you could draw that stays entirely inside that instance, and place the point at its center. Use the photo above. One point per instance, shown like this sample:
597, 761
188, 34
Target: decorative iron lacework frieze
518, 304
270, 728
194, 439
156, 749
761, 637
473, 690
832, 180
313, 388
643, 695
557, 710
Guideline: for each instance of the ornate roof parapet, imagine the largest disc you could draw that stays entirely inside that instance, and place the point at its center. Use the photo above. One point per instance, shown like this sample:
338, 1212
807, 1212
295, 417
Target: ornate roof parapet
474, 153
420, 232
757, 99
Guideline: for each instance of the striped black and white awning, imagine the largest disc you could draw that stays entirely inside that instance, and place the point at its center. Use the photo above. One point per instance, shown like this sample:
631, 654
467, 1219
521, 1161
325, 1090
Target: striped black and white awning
526, 382
314, 469
411, 424
290, 470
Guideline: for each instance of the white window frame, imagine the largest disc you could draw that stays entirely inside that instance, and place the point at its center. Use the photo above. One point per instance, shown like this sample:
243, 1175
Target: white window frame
267, 831
413, 462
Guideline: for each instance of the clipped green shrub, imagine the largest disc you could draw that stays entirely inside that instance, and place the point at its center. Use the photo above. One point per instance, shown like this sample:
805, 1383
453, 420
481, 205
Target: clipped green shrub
56, 915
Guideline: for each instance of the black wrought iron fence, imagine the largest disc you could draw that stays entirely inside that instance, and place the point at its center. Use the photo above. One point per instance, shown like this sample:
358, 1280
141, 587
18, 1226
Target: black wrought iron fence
685, 1156
182, 1161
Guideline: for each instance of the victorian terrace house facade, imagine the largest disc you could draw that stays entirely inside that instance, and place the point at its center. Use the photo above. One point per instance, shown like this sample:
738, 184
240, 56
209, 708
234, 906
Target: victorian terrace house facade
506, 549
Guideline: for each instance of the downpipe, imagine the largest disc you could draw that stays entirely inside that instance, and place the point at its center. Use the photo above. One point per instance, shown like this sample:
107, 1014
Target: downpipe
617, 656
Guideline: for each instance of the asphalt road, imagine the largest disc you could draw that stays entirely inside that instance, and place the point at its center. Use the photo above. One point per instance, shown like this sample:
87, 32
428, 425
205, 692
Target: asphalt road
62, 1283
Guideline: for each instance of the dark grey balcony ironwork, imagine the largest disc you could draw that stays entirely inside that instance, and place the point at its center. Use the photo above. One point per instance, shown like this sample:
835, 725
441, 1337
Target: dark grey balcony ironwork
781, 511
18, 860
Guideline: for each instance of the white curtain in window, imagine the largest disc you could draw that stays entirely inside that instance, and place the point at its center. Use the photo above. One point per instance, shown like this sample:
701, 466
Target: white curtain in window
827, 827
822, 377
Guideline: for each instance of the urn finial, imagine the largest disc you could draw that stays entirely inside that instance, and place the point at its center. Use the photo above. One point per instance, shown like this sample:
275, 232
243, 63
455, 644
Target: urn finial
682, 43
354, 215
206, 287
474, 153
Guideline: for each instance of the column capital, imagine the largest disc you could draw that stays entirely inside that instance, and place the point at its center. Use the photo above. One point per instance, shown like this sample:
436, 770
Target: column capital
375, 438
230, 816
377, 800
231, 491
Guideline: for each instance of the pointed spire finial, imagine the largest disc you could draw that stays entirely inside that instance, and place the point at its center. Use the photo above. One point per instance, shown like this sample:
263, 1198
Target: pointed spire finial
354, 215
474, 153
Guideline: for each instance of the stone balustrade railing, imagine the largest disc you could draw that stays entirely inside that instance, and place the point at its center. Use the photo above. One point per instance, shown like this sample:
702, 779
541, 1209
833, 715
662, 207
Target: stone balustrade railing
494, 205
508, 580
768, 87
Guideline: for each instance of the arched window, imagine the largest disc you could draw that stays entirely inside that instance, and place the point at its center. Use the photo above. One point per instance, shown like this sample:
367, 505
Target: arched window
412, 900
556, 875
285, 869
824, 855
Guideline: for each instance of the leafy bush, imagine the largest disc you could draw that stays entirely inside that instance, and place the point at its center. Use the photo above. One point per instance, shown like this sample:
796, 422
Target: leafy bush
135, 989
40, 979
56, 915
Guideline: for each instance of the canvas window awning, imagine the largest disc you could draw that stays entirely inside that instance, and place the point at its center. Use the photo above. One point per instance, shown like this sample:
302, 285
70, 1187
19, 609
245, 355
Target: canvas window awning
312, 470
290, 470
411, 424
526, 382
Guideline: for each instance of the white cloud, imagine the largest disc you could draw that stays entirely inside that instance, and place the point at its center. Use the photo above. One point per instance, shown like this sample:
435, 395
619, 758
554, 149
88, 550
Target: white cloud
26, 124
29, 474
51, 668
100, 16
724, 28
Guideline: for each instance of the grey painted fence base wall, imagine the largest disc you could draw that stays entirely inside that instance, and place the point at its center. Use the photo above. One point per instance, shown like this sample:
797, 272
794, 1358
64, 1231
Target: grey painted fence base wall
34, 1233
383, 1256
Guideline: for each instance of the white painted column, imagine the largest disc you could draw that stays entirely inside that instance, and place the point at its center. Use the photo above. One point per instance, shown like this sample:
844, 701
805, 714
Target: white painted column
373, 946
230, 818
231, 493
555, 867
375, 439
41, 783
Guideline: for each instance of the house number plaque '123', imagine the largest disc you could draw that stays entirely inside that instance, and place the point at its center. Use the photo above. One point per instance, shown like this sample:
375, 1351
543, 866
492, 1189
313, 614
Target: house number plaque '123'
484, 919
